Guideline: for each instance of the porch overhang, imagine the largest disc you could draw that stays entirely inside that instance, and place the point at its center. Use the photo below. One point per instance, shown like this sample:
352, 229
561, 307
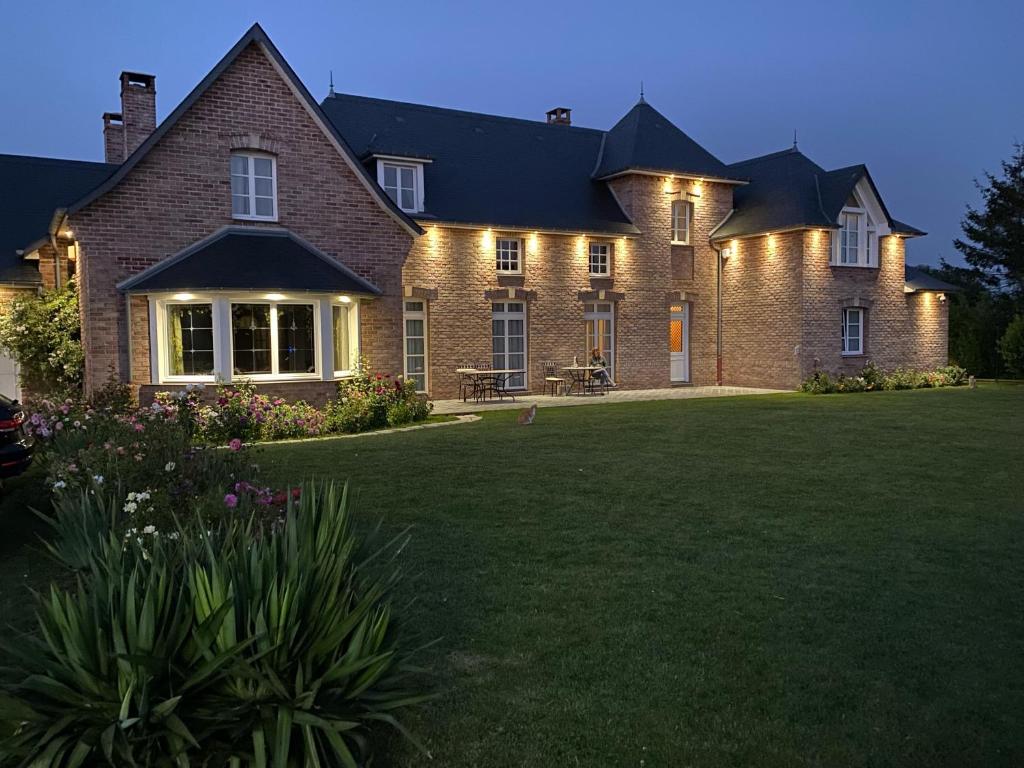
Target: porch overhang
250, 259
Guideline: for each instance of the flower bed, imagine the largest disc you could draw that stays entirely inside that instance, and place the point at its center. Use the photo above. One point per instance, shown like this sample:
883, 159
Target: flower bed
872, 378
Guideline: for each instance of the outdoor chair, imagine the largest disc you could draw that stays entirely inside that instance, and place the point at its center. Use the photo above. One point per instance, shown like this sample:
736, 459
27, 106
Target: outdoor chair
552, 380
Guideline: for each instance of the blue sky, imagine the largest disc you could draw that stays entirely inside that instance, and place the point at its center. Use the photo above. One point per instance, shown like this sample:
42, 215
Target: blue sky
927, 94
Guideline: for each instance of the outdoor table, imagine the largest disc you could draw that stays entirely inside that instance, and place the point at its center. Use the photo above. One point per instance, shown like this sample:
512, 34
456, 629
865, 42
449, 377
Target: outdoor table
581, 375
492, 381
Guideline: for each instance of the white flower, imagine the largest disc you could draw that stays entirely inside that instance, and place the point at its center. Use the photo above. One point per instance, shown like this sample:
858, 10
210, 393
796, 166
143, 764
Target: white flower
98, 479
149, 529
169, 466
59, 484
130, 507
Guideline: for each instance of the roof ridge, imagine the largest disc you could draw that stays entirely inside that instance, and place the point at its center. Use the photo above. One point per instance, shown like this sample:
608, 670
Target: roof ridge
780, 153
466, 112
38, 159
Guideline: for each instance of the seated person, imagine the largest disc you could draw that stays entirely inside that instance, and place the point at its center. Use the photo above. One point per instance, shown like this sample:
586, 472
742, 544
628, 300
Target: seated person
601, 374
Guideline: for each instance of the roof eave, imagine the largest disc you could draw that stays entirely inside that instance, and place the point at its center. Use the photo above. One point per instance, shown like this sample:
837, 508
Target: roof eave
608, 175
630, 231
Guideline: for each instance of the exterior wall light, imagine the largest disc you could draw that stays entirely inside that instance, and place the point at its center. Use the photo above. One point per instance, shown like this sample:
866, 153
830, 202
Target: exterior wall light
345, 299
942, 297
183, 296
274, 296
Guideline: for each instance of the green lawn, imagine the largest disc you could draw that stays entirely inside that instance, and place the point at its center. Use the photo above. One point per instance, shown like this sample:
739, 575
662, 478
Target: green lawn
775, 581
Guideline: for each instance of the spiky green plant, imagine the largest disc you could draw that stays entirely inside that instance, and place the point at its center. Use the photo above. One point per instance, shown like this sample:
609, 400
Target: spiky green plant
242, 646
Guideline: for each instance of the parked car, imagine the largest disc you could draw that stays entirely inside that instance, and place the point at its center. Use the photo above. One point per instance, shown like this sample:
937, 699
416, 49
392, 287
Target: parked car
16, 447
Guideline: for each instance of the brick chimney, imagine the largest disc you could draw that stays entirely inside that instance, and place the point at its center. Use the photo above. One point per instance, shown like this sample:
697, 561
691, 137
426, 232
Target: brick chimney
113, 137
559, 116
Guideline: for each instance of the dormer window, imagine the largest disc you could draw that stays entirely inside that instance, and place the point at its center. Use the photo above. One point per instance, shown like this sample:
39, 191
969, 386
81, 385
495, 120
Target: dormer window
402, 181
253, 186
855, 243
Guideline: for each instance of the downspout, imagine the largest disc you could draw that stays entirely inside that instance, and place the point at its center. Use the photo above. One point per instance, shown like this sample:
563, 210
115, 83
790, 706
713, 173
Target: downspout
55, 225
718, 312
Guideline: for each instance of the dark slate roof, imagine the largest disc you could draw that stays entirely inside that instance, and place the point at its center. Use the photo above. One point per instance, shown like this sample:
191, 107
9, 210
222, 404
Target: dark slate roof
788, 190
488, 170
31, 190
254, 36
250, 258
919, 280
646, 140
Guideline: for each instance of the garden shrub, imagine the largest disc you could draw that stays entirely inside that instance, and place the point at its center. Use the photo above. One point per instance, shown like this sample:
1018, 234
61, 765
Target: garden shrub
371, 401
43, 334
252, 644
1011, 346
872, 378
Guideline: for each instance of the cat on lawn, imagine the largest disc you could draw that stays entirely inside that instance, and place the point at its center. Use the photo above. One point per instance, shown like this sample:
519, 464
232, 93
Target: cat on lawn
526, 415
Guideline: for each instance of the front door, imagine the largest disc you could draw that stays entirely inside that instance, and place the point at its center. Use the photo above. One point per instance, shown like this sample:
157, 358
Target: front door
679, 342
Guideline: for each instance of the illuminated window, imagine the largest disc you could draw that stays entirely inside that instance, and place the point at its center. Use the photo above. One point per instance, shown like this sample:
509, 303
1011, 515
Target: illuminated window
190, 340
682, 215
345, 326
416, 343
508, 254
508, 341
253, 186
853, 331
600, 259
273, 339
599, 323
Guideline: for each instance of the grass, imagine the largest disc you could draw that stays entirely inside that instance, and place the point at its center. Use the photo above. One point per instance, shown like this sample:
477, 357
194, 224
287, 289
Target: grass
783, 580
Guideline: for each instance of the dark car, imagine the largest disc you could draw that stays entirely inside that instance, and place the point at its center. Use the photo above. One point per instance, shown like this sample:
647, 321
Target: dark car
15, 446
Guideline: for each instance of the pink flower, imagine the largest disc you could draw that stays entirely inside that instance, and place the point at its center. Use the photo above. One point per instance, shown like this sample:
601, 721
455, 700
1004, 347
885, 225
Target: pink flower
230, 501
139, 427
235, 444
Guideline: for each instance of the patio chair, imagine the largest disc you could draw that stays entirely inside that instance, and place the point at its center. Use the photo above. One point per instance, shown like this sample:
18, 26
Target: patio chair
467, 384
552, 380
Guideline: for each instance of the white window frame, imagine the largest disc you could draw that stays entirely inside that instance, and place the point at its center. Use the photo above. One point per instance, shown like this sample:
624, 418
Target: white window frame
353, 336
687, 207
223, 337
252, 215
596, 311
399, 164
498, 259
871, 226
606, 256
416, 314
847, 350
505, 315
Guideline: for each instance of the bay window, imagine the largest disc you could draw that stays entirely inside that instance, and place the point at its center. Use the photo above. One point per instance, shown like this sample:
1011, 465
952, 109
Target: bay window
231, 336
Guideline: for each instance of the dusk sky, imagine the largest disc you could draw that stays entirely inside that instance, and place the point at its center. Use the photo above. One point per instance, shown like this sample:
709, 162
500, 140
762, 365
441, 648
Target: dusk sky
927, 94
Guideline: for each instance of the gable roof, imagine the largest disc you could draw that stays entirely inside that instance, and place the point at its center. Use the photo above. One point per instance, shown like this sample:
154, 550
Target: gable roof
33, 188
788, 190
255, 35
646, 140
488, 170
253, 259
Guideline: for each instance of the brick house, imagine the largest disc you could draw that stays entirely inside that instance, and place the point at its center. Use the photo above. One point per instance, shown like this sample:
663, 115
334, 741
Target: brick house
258, 234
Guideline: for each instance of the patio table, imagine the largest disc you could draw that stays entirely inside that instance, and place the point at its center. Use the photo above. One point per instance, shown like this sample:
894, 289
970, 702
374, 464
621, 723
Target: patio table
581, 376
493, 381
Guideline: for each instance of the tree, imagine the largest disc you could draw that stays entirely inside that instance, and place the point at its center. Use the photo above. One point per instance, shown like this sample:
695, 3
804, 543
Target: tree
993, 240
1011, 346
44, 335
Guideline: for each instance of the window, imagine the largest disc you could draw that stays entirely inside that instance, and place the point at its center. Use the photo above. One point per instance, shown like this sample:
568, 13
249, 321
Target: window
853, 331
190, 340
508, 340
600, 259
416, 343
682, 214
270, 339
345, 326
599, 319
508, 254
403, 184
253, 186
856, 242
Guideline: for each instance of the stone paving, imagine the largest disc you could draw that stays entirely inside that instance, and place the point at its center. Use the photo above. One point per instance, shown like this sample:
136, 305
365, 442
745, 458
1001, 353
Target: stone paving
613, 396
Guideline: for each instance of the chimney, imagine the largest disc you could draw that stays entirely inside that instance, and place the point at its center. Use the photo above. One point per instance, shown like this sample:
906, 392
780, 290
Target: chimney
138, 109
559, 116
113, 137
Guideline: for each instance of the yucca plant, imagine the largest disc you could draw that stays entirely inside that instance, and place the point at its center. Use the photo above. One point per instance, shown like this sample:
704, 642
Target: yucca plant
241, 646
115, 660
324, 664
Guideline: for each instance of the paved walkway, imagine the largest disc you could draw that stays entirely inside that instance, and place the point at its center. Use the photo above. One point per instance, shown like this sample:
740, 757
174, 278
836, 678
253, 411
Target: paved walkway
615, 396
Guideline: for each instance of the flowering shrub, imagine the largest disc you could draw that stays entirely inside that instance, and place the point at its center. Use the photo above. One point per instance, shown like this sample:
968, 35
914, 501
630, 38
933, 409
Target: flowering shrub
872, 378
370, 401
43, 334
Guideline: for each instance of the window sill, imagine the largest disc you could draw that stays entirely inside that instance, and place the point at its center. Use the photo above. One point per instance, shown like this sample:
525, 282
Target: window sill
188, 380
601, 275
853, 266
679, 242
853, 354
508, 272
240, 217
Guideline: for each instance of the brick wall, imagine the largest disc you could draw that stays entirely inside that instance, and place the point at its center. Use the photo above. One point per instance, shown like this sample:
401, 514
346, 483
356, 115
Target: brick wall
313, 392
457, 266
180, 193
